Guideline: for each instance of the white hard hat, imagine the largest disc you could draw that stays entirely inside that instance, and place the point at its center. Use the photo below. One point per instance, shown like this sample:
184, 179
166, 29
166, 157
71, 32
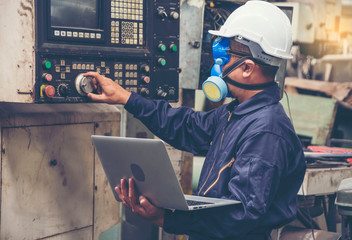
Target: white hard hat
263, 27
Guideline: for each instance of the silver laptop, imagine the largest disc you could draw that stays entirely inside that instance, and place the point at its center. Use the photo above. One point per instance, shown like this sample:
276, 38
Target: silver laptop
147, 162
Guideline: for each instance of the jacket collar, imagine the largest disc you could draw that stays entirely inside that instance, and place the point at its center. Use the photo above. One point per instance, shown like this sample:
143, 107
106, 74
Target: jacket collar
262, 99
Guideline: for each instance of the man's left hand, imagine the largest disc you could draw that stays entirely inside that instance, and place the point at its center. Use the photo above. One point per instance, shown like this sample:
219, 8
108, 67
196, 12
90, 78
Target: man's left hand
139, 204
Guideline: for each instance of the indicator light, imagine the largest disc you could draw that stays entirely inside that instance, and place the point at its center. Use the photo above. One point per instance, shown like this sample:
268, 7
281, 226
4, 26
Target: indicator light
173, 48
47, 77
162, 47
162, 61
47, 64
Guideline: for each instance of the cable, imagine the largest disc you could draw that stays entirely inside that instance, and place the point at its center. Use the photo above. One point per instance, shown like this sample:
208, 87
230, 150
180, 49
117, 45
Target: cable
289, 108
309, 216
304, 196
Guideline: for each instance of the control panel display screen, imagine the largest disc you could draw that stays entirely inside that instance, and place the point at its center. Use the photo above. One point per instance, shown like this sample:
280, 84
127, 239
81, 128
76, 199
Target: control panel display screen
74, 13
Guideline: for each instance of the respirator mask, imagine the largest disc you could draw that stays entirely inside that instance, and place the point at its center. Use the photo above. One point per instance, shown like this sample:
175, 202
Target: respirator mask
215, 88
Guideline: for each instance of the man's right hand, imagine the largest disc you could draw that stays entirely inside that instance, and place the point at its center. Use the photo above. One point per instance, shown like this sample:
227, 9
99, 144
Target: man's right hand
108, 91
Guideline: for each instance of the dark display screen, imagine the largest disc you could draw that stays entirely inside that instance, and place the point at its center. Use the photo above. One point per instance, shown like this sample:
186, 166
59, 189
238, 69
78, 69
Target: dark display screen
74, 13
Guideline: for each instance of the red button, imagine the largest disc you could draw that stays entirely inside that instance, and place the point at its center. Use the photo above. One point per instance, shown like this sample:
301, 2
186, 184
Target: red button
146, 79
49, 91
48, 77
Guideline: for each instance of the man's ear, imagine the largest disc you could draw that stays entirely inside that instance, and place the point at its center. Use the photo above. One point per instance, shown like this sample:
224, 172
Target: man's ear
248, 68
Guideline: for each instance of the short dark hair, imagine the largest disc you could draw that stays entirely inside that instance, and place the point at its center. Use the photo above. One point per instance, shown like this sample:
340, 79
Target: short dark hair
268, 71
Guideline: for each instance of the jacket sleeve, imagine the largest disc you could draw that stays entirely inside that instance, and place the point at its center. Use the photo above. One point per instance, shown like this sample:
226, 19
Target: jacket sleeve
182, 127
254, 180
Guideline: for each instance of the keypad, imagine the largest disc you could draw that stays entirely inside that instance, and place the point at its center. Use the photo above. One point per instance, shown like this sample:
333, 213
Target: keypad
126, 75
127, 22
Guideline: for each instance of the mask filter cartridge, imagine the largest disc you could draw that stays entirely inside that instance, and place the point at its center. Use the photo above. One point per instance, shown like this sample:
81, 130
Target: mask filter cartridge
215, 88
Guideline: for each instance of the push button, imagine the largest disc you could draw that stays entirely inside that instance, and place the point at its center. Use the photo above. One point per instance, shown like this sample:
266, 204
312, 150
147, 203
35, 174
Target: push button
145, 79
46, 64
48, 91
173, 47
161, 47
47, 77
162, 62
174, 15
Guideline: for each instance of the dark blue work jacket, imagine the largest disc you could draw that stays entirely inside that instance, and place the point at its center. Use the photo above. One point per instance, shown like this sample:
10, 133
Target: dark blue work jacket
252, 154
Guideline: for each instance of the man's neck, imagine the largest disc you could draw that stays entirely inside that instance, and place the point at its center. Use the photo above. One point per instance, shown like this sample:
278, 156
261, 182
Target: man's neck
244, 95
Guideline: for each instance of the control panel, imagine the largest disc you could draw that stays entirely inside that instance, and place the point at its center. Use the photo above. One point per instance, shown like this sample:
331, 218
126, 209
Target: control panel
133, 42
61, 78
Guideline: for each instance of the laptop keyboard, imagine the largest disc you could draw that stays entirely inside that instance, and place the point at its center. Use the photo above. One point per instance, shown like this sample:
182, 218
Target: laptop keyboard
195, 203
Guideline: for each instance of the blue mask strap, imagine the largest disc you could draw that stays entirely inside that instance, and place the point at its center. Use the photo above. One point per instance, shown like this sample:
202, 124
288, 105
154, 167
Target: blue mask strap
228, 70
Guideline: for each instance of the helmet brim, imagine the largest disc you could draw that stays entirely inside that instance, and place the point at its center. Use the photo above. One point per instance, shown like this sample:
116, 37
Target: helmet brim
218, 33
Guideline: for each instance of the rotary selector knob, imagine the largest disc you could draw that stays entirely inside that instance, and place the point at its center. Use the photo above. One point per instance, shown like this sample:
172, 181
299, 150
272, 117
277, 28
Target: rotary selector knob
161, 93
84, 85
172, 92
63, 90
145, 92
145, 68
162, 13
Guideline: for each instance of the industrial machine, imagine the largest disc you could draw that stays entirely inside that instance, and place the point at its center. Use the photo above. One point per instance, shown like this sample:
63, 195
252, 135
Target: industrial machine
46, 47
344, 204
49, 44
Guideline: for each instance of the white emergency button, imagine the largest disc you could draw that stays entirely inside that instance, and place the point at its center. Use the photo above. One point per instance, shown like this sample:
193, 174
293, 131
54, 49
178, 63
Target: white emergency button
63, 33
57, 33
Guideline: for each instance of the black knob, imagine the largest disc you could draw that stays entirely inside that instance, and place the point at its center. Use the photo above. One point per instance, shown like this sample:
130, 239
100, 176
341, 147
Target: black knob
145, 92
63, 90
172, 92
145, 68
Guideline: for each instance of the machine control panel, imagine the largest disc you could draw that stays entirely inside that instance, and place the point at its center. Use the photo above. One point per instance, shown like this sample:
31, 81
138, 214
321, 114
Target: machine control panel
61, 78
133, 42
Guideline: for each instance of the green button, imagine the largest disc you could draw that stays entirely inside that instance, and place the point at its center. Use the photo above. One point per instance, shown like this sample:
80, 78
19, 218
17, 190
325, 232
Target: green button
174, 48
47, 64
162, 47
162, 61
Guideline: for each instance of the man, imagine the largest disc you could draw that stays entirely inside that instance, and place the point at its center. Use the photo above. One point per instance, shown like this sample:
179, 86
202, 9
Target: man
252, 152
